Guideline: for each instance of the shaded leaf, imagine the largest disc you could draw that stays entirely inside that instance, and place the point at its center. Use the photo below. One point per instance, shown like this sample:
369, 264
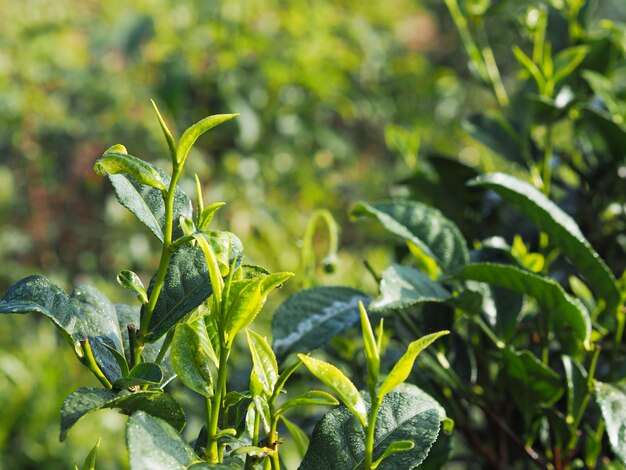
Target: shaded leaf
144, 373
422, 225
87, 399
155, 445
191, 354
612, 401
129, 280
338, 441
311, 317
576, 380
403, 286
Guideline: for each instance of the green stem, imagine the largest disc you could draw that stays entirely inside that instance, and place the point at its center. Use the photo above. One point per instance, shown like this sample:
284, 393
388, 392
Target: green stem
273, 442
369, 433
308, 256
216, 407
583, 406
491, 67
546, 174
92, 365
166, 345
619, 335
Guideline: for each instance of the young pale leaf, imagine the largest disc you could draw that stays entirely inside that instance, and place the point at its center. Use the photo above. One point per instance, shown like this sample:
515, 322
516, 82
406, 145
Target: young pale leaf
341, 385
403, 286
566, 312
90, 461
576, 380
190, 353
313, 397
393, 448
87, 399
403, 367
192, 133
371, 348
146, 202
131, 281
246, 300
562, 229
171, 144
155, 445
422, 225
338, 442
311, 317
263, 361
612, 401
300, 439
206, 215
114, 163
261, 406
144, 373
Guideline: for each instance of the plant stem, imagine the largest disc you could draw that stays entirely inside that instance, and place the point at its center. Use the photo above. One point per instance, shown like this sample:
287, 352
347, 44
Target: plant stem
216, 407
546, 174
166, 345
583, 406
491, 67
619, 335
273, 442
92, 365
369, 433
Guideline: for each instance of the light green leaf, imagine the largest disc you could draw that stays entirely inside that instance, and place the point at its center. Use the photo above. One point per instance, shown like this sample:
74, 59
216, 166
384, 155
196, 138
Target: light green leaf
341, 385
568, 60
393, 448
114, 163
312, 397
206, 216
155, 445
90, 461
422, 225
171, 144
565, 312
131, 281
261, 406
403, 367
338, 442
371, 348
612, 401
300, 439
562, 229
403, 286
576, 380
263, 361
144, 373
146, 202
87, 399
311, 317
192, 133
191, 354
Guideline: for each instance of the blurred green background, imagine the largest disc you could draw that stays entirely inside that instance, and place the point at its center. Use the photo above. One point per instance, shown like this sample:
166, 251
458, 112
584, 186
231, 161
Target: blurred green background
316, 83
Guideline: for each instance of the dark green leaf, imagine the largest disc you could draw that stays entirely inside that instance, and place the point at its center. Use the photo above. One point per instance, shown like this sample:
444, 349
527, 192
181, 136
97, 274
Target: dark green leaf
338, 441
263, 361
393, 448
562, 229
88, 399
612, 401
312, 397
341, 385
192, 133
495, 133
403, 286
564, 311
191, 353
531, 383
155, 445
427, 228
114, 163
144, 373
576, 380
147, 203
310, 318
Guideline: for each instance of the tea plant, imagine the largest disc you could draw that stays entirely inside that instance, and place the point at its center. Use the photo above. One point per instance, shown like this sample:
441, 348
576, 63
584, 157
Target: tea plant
200, 299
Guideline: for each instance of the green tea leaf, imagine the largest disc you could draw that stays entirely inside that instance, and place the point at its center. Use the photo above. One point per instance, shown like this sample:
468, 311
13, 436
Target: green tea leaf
171, 144
131, 281
192, 133
144, 373
263, 361
576, 380
341, 385
562, 229
404, 365
87, 399
261, 406
393, 448
403, 286
311, 317
300, 439
422, 225
155, 445
338, 441
206, 216
114, 163
313, 397
191, 353
146, 202
531, 383
370, 345
612, 401
246, 298
90, 461
565, 312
